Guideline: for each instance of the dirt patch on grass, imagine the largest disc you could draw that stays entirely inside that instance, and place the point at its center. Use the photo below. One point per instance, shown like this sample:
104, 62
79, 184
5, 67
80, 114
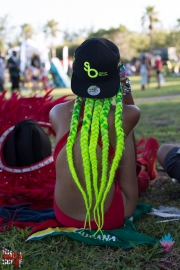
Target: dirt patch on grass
162, 191
161, 179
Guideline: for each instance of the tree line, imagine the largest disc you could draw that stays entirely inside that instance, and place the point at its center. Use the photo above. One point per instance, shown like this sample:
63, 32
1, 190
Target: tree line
130, 43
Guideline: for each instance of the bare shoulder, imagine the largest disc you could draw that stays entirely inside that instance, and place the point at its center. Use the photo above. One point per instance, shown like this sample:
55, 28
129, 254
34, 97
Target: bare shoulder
55, 110
59, 113
128, 110
53, 115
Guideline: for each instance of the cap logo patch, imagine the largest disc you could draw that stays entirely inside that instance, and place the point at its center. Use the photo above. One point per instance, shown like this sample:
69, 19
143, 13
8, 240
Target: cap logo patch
93, 90
91, 72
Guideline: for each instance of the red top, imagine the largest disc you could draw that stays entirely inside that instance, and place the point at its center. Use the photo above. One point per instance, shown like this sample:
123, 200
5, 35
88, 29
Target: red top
159, 64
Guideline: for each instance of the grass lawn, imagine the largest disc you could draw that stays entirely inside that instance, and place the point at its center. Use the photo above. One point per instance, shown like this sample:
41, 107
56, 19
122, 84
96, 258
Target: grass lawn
170, 87
159, 119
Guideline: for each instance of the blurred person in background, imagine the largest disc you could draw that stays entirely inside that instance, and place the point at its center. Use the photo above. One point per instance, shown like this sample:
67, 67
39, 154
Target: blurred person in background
35, 70
149, 65
2, 71
13, 65
44, 76
158, 67
144, 72
168, 156
28, 77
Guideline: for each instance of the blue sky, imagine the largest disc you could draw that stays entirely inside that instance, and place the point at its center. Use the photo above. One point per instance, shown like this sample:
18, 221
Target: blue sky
78, 14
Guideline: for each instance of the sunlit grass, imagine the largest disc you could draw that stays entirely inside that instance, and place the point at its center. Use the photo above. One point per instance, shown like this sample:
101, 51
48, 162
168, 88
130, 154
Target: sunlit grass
160, 119
170, 87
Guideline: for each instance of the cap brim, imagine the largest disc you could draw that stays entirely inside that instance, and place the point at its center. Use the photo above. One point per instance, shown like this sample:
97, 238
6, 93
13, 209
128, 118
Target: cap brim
106, 89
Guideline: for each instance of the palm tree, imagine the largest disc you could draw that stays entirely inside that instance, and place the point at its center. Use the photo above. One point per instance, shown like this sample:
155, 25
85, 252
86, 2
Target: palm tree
150, 15
178, 25
51, 29
27, 31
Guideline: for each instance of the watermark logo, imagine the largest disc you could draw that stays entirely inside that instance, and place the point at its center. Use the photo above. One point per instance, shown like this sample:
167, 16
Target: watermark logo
11, 258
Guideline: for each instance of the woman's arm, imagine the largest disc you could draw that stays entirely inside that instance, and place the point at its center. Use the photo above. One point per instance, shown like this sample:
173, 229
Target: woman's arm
127, 92
127, 176
128, 99
131, 116
127, 168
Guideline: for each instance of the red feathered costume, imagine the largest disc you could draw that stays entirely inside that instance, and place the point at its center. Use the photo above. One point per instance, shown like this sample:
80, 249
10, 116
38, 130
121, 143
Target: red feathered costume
32, 184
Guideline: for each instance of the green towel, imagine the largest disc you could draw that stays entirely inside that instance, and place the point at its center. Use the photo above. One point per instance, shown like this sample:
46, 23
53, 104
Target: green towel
124, 237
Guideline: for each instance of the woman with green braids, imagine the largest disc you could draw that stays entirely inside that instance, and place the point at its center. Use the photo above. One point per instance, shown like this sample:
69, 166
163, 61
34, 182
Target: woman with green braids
95, 156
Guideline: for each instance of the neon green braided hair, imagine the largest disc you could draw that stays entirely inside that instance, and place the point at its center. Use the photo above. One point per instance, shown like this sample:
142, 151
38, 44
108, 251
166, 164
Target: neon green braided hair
95, 125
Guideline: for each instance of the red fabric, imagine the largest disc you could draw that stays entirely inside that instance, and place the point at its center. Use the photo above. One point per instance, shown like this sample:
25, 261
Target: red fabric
140, 146
50, 223
143, 180
149, 157
19, 225
159, 64
44, 79
113, 218
16, 109
35, 186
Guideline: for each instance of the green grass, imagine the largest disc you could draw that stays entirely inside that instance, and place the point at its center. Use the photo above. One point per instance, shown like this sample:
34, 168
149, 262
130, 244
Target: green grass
159, 119
170, 87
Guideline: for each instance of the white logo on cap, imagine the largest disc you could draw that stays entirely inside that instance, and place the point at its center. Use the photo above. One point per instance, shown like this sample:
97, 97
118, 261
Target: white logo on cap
93, 90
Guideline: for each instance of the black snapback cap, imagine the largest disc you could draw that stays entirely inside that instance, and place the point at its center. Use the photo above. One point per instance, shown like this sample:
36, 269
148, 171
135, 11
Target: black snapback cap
96, 65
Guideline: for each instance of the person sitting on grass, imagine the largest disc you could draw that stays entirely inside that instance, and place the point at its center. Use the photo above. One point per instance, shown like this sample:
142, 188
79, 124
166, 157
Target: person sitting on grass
95, 154
168, 156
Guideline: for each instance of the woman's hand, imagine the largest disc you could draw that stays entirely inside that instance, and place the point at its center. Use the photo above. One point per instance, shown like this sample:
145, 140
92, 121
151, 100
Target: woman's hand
126, 91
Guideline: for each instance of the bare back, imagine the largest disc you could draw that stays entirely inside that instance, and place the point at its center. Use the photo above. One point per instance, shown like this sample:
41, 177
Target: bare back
67, 195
